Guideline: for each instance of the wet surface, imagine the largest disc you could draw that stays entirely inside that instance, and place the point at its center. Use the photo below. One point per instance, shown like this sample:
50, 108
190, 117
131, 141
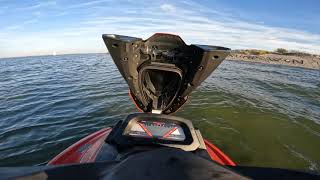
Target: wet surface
258, 114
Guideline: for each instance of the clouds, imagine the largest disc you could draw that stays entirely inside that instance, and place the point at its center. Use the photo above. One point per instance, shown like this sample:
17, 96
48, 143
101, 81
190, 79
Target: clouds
80, 29
168, 8
39, 5
89, 3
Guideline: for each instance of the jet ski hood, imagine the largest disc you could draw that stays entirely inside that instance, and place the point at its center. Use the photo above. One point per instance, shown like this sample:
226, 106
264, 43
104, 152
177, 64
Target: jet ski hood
162, 71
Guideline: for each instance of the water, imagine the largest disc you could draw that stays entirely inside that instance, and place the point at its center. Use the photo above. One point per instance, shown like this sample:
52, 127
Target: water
260, 115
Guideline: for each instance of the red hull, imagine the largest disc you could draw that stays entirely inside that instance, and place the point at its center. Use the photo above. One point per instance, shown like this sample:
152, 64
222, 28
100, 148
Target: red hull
87, 149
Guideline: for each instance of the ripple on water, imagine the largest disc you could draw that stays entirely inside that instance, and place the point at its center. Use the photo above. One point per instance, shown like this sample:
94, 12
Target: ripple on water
260, 115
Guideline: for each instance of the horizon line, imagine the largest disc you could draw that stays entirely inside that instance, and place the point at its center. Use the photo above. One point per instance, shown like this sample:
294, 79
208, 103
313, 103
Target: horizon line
42, 55
60, 54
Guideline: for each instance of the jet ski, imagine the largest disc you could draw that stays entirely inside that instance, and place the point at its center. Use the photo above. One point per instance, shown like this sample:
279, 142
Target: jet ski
161, 72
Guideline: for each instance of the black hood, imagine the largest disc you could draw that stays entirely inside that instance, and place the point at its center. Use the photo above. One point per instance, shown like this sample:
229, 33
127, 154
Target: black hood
161, 163
162, 71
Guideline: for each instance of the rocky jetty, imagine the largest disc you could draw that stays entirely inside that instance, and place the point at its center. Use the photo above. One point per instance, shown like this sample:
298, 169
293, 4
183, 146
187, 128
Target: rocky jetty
307, 61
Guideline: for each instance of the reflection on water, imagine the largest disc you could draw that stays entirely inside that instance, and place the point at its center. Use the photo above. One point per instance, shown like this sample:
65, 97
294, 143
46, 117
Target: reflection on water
260, 115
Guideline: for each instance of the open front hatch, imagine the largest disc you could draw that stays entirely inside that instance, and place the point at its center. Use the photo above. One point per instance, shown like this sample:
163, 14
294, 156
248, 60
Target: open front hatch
162, 71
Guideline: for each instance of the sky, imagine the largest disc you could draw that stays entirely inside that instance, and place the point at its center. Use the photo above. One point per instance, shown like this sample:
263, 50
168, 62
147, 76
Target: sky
41, 27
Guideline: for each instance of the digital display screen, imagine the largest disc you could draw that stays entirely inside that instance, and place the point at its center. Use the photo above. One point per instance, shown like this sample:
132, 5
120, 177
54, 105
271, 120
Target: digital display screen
157, 129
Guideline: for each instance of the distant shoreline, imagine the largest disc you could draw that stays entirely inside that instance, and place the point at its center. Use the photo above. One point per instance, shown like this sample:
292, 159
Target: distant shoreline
310, 62
45, 55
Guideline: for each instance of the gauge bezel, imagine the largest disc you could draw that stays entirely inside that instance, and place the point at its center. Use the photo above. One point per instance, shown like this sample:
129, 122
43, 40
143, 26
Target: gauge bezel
187, 140
119, 137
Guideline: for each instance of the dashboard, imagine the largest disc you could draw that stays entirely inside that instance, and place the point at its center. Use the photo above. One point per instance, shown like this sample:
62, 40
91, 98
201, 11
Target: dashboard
156, 129
147, 129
